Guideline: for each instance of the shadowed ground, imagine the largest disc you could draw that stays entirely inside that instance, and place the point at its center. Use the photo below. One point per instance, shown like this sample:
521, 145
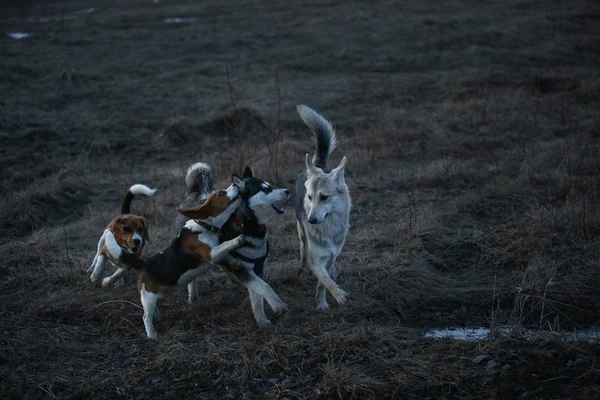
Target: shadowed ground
471, 131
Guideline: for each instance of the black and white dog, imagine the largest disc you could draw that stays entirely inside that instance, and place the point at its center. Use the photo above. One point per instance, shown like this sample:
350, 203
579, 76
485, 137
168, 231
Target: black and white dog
245, 264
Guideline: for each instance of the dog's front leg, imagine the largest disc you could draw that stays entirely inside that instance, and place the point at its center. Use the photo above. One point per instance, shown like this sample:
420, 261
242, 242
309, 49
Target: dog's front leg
118, 275
319, 266
219, 252
95, 270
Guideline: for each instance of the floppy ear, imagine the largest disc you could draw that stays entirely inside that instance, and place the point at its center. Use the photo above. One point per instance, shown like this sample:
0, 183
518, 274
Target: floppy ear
310, 168
247, 173
338, 172
239, 182
199, 212
146, 227
117, 224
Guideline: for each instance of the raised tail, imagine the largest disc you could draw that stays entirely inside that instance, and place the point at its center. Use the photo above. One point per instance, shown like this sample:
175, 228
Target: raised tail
133, 191
325, 139
198, 178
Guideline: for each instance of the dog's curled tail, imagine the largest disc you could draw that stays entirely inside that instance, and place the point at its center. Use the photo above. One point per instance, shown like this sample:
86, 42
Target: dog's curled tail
133, 191
325, 138
198, 178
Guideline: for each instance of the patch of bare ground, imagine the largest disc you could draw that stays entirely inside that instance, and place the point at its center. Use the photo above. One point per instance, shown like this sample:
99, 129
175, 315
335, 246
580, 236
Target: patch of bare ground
471, 131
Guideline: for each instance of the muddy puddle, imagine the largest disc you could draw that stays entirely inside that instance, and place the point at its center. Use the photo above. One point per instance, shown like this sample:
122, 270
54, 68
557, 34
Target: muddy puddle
471, 334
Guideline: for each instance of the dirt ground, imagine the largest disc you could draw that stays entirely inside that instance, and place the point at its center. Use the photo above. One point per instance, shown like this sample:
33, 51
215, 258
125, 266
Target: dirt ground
472, 131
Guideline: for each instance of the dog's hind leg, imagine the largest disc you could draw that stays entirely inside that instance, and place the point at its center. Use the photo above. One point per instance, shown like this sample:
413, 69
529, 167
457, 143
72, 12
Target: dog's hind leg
259, 290
192, 291
149, 301
302, 238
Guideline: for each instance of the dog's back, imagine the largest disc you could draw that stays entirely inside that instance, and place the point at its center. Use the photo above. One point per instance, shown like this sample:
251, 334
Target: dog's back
198, 186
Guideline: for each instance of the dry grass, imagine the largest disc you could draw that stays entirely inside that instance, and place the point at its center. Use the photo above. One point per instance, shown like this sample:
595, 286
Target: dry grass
471, 132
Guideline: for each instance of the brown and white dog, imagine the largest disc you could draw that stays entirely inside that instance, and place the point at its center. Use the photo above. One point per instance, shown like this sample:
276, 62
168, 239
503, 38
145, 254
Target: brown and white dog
190, 254
131, 233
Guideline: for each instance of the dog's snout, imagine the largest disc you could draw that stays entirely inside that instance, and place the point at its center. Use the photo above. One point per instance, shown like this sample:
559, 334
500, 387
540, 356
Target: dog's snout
287, 192
137, 241
312, 220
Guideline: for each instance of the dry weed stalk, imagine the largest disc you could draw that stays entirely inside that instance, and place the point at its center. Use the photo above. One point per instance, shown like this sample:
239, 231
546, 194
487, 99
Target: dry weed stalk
274, 138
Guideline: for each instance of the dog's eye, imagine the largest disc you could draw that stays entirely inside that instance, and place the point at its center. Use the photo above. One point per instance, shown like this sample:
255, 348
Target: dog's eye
309, 197
323, 197
127, 229
222, 193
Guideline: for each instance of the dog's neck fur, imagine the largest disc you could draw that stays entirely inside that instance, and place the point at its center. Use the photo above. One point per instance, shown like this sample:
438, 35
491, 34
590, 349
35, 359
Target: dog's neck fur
252, 224
332, 229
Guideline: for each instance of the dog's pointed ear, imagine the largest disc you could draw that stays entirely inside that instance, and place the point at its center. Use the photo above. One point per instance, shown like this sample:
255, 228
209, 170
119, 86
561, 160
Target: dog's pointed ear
310, 168
199, 212
247, 173
338, 172
239, 182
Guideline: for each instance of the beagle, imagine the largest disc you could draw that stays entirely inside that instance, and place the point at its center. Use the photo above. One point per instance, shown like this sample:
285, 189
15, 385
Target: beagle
129, 230
188, 256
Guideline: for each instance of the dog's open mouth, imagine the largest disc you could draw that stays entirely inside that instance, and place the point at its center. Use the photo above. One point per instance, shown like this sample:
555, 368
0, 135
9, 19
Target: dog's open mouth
131, 250
278, 209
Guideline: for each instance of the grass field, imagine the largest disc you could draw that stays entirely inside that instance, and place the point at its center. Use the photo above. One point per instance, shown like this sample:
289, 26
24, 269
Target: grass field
472, 132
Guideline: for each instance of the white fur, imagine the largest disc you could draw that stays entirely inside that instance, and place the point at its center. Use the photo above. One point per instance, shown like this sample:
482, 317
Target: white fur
218, 250
327, 206
99, 263
217, 253
258, 289
111, 244
325, 239
116, 279
261, 203
149, 301
138, 189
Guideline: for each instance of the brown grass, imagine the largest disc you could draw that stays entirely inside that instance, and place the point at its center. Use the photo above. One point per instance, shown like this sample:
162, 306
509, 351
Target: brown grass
471, 132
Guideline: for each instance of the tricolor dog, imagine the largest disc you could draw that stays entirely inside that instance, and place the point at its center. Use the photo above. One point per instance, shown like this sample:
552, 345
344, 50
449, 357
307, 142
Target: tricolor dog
322, 206
260, 201
131, 233
190, 254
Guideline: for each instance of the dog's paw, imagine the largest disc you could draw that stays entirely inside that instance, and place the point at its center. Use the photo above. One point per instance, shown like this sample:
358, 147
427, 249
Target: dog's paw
240, 240
263, 322
323, 305
120, 283
153, 335
95, 277
341, 296
280, 308
106, 282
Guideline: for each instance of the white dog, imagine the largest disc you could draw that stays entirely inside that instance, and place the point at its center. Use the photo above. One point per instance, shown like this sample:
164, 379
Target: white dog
322, 206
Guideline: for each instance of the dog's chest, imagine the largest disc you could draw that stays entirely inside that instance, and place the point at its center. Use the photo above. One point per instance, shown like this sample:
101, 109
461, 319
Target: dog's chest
331, 233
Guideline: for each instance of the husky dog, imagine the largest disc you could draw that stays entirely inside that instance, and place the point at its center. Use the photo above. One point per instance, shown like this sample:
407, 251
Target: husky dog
322, 206
245, 264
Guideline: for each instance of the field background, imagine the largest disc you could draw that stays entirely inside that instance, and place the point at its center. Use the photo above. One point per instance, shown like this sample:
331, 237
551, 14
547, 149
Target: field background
472, 135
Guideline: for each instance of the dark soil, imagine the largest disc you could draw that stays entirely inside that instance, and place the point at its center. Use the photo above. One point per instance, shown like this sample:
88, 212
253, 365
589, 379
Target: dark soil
472, 135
